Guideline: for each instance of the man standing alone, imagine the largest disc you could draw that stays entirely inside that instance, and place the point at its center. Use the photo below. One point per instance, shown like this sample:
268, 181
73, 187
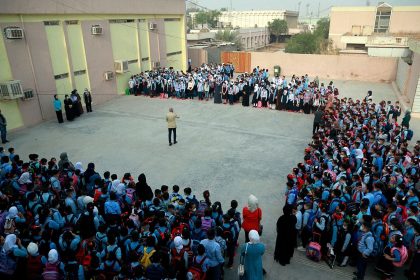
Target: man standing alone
171, 120
319, 114
88, 100
3, 131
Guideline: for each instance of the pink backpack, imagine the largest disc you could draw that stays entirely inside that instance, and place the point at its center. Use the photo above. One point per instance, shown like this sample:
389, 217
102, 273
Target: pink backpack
403, 253
206, 224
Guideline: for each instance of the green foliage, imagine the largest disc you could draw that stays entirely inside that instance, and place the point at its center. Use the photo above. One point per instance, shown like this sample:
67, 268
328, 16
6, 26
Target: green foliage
209, 17
302, 43
308, 43
278, 27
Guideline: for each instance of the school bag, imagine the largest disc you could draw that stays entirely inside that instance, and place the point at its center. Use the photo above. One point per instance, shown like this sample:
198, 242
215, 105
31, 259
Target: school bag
9, 226
201, 208
410, 134
403, 253
145, 259
177, 258
164, 236
311, 219
313, 250
206, 224
190, 251
7, 263
33, 267
108, 272
111, 255
51, 272
196, 269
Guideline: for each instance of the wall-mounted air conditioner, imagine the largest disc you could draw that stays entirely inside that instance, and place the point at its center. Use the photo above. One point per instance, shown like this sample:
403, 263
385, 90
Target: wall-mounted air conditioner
11, 89
13, 32
121, 66
109, 75
96, 30
152, 26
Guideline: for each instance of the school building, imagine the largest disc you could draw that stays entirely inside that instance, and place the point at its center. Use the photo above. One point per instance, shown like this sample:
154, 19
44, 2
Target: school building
51, 47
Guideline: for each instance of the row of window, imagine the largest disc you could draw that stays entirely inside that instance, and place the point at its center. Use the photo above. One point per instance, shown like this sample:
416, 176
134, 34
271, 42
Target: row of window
72, 22
66, 75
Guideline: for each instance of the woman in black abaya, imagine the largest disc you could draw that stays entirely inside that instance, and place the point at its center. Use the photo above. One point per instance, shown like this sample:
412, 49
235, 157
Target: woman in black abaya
286, 236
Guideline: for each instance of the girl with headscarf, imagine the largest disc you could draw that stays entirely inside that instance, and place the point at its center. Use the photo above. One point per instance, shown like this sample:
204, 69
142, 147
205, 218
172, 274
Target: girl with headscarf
12, 221
14, 252
251, 253
252, 216
286, 236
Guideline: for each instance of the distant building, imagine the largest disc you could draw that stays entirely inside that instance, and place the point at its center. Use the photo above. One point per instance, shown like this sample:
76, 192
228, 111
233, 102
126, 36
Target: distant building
52, 47
377, 31
252, 19
254, 38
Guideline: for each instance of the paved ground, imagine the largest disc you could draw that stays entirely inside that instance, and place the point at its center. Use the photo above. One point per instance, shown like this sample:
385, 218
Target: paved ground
230, 150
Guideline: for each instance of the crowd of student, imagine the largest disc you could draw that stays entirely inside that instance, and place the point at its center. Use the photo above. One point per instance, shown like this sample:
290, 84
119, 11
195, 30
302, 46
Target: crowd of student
59, 221
218, 82
354, 200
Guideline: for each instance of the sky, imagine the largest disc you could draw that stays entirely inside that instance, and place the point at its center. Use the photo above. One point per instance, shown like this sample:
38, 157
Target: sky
305, 6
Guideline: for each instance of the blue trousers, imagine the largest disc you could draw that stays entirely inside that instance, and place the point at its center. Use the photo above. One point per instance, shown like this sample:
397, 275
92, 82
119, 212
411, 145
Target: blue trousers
3, 133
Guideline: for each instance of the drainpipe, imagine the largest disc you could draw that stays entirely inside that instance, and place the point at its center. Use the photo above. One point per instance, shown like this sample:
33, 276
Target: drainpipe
32, 69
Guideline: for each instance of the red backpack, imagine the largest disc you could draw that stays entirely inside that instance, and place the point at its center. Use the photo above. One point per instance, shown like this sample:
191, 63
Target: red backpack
34, 267
196, 269
177, 258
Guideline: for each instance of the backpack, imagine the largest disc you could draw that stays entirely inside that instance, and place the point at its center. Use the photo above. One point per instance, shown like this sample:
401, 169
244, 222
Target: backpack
164, 236
34, 267
378, 244
311, 219
202, 205
177, 258
227, 234
410, 134
130, 192
403, 253
51, 272
86, 225
9, 226
196, 269
145, 259
206, 224
111, 255
177, 231
99, 241
7, 263
189, 249
109, 272
134, 252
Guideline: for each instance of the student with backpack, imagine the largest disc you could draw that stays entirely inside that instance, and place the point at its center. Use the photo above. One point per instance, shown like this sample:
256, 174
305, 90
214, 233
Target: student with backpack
364, 249
34, 266
229, 235
178, 259
395, 255
155, 271
54, 268
147, 252
199, 265
214, 255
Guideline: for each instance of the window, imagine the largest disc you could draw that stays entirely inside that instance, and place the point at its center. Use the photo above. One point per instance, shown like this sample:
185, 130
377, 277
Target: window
133, 61
142, 20
398, 40
383, 15
121, 20
70, 22
61, 76
80, 72
173, 53
52, 22
172, 19
145, 59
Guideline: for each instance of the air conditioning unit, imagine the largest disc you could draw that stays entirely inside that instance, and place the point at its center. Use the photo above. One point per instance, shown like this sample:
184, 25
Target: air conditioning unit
109, 75
11, 89
28, 94
96, 30
121, 66
152, 26
13, 32
156, 64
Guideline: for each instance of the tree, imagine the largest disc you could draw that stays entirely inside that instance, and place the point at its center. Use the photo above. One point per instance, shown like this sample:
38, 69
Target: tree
210, 18
322, 28
278, 27
302, 43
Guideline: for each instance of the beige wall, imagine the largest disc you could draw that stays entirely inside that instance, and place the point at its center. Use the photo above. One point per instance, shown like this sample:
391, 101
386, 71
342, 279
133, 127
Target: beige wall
157, 42
198, 56
341, 22
92, 7
99, 61
341, 67
404, 22
412, 79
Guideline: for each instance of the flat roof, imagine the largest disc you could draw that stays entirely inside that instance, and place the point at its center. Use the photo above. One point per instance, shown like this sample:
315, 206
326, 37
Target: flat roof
373, 8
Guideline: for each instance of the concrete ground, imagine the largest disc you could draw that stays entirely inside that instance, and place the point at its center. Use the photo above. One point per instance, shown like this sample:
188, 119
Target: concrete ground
230, 150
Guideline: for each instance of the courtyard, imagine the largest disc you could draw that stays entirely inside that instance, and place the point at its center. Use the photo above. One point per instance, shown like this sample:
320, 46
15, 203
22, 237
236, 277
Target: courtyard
230, 150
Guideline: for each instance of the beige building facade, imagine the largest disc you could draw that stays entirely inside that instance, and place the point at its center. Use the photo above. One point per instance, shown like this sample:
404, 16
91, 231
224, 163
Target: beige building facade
381, 30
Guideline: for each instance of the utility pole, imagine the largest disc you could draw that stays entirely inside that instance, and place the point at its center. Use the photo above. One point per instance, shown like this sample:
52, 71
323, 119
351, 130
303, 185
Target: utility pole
299, 3
319, 7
